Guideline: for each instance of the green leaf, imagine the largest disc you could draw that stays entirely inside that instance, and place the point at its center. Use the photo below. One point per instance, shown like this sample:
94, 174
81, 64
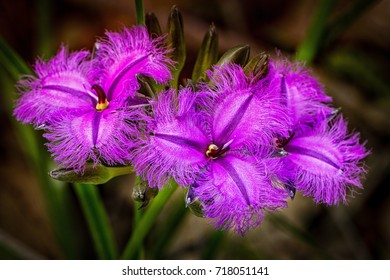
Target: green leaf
316, 33
12, 62
97, 220
93, 174
58, 200
207, 55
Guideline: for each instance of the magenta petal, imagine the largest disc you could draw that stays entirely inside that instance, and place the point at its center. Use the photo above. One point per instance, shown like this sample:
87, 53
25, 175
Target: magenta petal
100, 137
177, 143
237, 191
304, 97
61, 86
326, 162
244, 112
124, 55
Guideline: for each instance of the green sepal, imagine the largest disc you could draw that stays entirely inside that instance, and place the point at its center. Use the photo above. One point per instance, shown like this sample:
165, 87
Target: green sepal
257, 68
177, 44
238, 55
207, 55
153, 25
93, 174
142, 192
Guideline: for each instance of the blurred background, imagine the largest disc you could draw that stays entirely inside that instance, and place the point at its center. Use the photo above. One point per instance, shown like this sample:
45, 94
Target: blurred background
346, 43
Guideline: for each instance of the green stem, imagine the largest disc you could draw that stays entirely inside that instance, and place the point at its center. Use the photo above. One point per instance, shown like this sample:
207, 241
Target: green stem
174, 219
139, 9
312, 43
146, 222
97, 220
138, 213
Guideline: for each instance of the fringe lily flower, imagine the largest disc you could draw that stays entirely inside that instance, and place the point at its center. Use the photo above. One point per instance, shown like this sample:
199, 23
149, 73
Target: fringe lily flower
323, 160
212, 141
87, 105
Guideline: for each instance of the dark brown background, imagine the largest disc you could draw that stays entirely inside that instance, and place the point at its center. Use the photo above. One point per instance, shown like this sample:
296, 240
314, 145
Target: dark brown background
360, 230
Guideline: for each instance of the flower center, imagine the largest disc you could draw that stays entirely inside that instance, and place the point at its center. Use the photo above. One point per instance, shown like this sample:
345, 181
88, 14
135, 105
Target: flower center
102, 98
213, 151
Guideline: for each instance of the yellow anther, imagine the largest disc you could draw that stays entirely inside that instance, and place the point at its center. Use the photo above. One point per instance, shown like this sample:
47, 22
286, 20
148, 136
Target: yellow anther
102, 106
211, 151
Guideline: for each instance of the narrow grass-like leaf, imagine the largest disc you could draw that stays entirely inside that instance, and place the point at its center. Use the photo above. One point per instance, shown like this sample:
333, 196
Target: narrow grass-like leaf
98, 222
316, 33
58, 200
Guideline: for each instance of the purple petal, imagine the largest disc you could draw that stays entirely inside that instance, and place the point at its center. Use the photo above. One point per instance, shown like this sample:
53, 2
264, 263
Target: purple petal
177, 142
101, 137
244, 112
304, 97
61, 86
124, 55
237, 191
326, 162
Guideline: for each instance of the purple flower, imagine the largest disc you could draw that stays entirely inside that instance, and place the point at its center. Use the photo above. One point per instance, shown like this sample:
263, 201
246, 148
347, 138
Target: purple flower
322, 160
214, 142
87, 105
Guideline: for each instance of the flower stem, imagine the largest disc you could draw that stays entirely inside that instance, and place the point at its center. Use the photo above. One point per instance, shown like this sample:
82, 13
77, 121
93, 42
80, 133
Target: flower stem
175, 218
139, 9
97, 220
146, 222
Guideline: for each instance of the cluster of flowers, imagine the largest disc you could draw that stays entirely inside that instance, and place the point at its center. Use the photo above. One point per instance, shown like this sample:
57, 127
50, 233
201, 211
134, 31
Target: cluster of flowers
242, 143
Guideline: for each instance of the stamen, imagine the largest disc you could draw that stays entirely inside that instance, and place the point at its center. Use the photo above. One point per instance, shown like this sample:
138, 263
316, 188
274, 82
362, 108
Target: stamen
282, 142
102, 98
214, 152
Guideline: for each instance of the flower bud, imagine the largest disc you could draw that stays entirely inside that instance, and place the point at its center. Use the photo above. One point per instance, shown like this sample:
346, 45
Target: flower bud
142, 192
92, 174
207, 56
153, 25
176, 43
238, 55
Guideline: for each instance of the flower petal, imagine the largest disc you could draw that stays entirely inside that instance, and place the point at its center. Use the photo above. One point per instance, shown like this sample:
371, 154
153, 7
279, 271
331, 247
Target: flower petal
326, 162
61, 87
124, 55
237, 191
177, 143
304, 97
243, 112
101, 137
